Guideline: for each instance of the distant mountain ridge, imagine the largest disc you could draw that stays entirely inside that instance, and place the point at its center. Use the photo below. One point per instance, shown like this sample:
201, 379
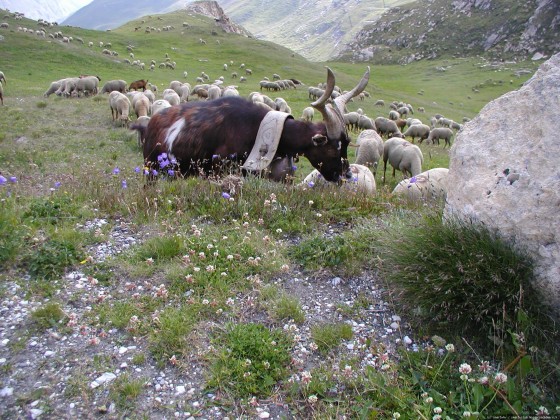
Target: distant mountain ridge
51, 11
315, 29
429, 29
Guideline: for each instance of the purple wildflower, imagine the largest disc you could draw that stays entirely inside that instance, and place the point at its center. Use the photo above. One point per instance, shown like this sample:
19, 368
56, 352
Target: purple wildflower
13, 179
226, 195
3, 180
137, 169
310, 184
163, 163
161, 157
173, 161
171, 172
294, 167
412, 180
123, 184
57, 184
154, 172
146, 171
116, 171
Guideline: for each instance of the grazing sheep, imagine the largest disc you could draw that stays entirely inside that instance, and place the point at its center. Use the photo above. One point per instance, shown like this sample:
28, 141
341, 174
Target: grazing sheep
370, 149
362, 180
231, 91
308, 114
214, 92
402, 155
176, 86
387, 127
439, 133
3, 78
158, 105
120, 107
68, 87
150, 95
282, 105
380, 102
420, 131
87, 85
141, 105
365, 123
413, 121
248, 72
456, 126
142, 121
394, 115
171, 96
54, 87
351, 120
428, 185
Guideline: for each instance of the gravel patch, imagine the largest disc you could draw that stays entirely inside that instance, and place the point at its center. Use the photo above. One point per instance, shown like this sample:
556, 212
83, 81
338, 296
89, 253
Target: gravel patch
67, 374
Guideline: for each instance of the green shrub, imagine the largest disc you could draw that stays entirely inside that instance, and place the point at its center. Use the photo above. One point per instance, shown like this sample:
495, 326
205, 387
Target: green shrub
47, 316
49, 259
250, 360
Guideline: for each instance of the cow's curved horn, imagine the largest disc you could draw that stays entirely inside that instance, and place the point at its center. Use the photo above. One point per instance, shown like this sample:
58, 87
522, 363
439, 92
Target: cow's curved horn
333, 116
341, 101
333, 121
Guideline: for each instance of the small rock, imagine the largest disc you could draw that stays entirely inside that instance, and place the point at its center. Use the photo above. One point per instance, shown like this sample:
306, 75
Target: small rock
180, 390
407, 340
394, 325
6, 392
123, 350
264, 415
49, 353
106, 377
336, 281
35, 413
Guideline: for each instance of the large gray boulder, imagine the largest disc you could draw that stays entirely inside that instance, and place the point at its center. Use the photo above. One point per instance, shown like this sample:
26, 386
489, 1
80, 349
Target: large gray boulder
504, 171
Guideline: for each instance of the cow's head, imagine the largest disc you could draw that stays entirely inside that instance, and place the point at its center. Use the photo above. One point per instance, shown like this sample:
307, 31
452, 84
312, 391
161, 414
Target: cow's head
330, 152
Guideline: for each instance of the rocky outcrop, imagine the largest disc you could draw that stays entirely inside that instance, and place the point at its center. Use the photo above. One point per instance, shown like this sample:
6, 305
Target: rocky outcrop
504, 173
213, 10
428, 29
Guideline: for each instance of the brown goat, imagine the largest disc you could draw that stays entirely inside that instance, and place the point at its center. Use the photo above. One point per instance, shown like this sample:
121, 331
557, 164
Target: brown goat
138, 84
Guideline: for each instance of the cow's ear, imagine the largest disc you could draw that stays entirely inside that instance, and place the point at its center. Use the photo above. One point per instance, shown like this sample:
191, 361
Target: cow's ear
319, 140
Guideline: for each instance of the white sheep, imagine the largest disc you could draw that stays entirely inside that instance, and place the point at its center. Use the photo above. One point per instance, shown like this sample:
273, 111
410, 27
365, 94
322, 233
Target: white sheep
402, 155
370, 149
230, 91
428, 185
214, 92
141, 121
159, 105
421, 131
308, 114
439, 133
388, 127
171, 96
120, 107
362, 180
150, 95
3, 78
141, 105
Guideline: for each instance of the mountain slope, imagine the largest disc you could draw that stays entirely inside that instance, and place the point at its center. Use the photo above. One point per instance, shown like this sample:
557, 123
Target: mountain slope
52, 10
95, 15
500, 29
315, 29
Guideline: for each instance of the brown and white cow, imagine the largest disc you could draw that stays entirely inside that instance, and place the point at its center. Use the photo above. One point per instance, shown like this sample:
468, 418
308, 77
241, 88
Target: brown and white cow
200, 135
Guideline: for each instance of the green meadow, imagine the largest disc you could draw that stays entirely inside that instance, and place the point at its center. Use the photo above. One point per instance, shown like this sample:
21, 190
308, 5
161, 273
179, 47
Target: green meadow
204, 286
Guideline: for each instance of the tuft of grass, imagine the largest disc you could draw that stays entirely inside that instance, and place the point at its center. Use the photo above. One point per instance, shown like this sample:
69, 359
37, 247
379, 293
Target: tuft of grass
250, 360
48, 260
459, 275
125, 390
285, 308
48, 316
329, 336
41, 104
